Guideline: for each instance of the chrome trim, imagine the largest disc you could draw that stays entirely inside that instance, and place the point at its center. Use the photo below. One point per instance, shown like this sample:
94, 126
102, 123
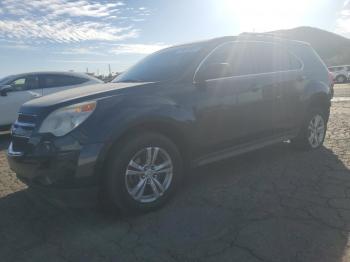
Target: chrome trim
230, 42
27, 114
11, 152
22, 124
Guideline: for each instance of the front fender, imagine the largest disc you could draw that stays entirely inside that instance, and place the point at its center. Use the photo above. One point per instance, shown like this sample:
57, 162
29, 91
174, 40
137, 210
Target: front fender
115, 116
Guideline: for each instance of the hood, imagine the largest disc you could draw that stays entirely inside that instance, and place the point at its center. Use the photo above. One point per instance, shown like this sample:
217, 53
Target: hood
79, 93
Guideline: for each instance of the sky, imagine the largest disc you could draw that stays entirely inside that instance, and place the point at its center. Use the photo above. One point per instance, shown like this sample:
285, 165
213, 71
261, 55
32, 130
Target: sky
44, 35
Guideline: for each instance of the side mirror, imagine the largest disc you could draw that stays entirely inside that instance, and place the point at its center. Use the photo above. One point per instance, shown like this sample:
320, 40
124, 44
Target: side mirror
213, 71
4, 90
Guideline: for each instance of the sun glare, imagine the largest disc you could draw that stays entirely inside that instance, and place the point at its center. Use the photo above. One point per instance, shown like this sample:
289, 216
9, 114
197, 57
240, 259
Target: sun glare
264, 15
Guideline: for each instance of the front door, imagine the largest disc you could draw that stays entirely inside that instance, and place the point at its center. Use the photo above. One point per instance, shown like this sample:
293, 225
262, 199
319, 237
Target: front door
22, 90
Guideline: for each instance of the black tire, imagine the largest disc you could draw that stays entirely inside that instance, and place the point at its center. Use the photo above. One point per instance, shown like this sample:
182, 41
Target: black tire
115, 185
301, 141
341, 79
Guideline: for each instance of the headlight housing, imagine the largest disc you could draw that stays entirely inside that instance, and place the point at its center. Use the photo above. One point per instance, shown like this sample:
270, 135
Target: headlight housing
63, 120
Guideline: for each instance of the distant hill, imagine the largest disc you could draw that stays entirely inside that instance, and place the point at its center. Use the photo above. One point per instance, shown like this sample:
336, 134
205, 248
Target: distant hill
334, 49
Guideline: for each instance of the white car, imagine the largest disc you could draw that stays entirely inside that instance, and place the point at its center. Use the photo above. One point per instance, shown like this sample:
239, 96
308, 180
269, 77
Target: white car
341, 74
15, 90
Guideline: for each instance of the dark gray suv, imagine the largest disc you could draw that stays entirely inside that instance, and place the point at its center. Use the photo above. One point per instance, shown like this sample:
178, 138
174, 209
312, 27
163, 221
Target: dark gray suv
189, 105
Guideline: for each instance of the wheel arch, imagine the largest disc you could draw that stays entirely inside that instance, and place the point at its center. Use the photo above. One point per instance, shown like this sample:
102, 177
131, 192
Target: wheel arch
167, 128
321, 101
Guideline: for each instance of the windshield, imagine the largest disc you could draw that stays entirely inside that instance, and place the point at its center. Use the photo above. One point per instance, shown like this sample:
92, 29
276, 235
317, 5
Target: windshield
4, 80
164, 65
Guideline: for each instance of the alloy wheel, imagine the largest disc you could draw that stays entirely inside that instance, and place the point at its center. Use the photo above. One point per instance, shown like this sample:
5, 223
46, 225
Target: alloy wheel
149, 174
316, 130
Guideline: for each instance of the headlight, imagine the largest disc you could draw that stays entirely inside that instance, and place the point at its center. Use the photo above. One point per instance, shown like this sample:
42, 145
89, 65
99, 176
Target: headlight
64, 120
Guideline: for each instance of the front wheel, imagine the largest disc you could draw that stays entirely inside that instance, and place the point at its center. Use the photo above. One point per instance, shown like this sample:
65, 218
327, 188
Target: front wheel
143, 172
313, 131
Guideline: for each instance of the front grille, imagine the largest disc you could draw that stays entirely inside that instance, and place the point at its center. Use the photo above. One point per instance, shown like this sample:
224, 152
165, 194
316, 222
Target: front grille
21, 131
24, 125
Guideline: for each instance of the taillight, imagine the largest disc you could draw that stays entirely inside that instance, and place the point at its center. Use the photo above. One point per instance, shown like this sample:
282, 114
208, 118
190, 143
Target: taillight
331, 78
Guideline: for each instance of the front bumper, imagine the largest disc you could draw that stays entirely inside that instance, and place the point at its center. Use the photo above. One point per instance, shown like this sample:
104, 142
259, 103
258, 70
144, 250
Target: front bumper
61, 170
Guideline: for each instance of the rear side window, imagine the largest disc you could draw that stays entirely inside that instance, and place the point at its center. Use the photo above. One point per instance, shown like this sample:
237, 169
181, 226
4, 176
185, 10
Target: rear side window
49, 81
311, 60
245, 58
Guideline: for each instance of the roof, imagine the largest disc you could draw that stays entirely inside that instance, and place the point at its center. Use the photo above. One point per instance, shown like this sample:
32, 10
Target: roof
245, 37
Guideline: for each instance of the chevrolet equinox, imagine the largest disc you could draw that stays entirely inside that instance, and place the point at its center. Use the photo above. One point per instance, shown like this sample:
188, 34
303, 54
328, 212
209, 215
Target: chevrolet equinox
129, 141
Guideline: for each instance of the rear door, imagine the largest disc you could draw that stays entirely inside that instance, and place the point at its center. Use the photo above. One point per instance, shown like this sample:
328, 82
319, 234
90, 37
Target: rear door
52, 83
291, 83
23, 89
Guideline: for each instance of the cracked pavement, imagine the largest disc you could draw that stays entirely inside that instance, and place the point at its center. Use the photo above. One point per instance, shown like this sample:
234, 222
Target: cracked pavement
275, 204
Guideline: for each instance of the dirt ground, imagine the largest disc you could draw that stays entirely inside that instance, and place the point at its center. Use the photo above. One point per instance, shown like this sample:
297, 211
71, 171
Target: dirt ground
276, 204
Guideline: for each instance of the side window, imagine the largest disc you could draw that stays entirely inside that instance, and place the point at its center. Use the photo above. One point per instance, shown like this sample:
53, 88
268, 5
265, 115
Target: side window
18, 84
61, 80
294, 63
245, 58
228, 60
348, 68
273, 58
339, 69
25, 83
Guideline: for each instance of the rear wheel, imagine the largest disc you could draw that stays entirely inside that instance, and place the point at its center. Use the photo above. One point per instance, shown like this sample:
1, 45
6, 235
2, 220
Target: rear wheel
143, 172
312, 134
341, 79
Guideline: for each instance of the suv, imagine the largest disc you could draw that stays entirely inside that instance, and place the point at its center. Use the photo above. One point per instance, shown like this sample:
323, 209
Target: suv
15, 90
341, 74
129, 141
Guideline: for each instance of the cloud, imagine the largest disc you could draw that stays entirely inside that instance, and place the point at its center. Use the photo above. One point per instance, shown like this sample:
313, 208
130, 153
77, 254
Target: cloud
64, 21
61, 7
343, 21
17, 46
136, 48
63, 31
